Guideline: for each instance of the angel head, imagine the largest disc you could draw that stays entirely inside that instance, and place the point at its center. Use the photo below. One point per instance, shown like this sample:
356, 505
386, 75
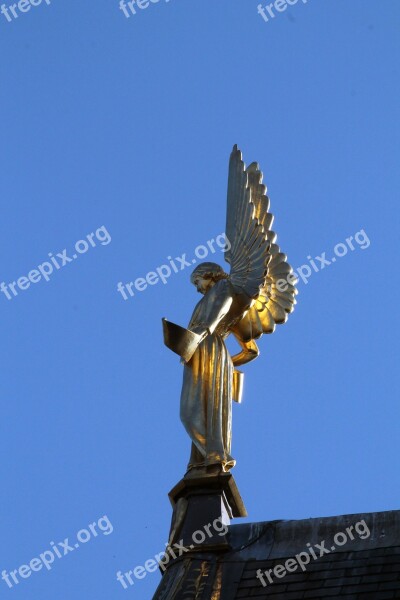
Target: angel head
206, 275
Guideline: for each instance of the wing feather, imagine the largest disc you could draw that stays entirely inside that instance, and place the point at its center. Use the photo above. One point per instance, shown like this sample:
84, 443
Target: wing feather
248, 254
258, 267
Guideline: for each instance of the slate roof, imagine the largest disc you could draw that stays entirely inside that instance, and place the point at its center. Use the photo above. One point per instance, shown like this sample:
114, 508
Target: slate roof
359, 569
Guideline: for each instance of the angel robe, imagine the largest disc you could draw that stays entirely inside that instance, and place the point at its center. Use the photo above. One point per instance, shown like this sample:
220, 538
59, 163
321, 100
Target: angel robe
206, 399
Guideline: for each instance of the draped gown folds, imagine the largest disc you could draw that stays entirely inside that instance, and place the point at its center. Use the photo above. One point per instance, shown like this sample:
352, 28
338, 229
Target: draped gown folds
206, 399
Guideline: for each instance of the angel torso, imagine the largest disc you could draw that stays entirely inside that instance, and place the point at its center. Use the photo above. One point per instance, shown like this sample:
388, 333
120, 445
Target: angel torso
220, 310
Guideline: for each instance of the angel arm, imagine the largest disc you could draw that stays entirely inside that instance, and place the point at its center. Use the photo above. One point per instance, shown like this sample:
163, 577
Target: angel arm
211, 309
249, 352
206, 317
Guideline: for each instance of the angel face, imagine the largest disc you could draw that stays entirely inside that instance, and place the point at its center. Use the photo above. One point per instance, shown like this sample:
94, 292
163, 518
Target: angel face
203, 284
206, 275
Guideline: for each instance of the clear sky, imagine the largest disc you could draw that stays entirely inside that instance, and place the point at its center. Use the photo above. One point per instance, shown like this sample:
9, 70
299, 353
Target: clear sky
121, 127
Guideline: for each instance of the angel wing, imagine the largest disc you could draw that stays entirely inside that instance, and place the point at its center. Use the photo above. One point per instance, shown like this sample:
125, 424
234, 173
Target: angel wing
257, 264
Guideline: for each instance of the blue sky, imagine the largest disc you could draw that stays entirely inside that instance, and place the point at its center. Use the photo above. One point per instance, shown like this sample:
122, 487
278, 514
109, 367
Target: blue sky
124, 126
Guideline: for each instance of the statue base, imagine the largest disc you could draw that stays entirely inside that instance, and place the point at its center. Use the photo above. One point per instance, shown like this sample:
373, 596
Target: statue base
204, 504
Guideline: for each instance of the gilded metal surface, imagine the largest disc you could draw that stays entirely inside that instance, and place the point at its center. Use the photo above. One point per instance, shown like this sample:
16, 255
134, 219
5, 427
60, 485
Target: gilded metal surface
258, 294
196, 582
217, 587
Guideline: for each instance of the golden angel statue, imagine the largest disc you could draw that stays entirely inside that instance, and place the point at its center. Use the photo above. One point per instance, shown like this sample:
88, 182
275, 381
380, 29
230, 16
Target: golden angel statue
258, 294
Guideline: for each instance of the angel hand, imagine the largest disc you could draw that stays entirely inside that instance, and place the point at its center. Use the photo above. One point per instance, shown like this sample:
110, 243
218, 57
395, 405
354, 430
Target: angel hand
249, 352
